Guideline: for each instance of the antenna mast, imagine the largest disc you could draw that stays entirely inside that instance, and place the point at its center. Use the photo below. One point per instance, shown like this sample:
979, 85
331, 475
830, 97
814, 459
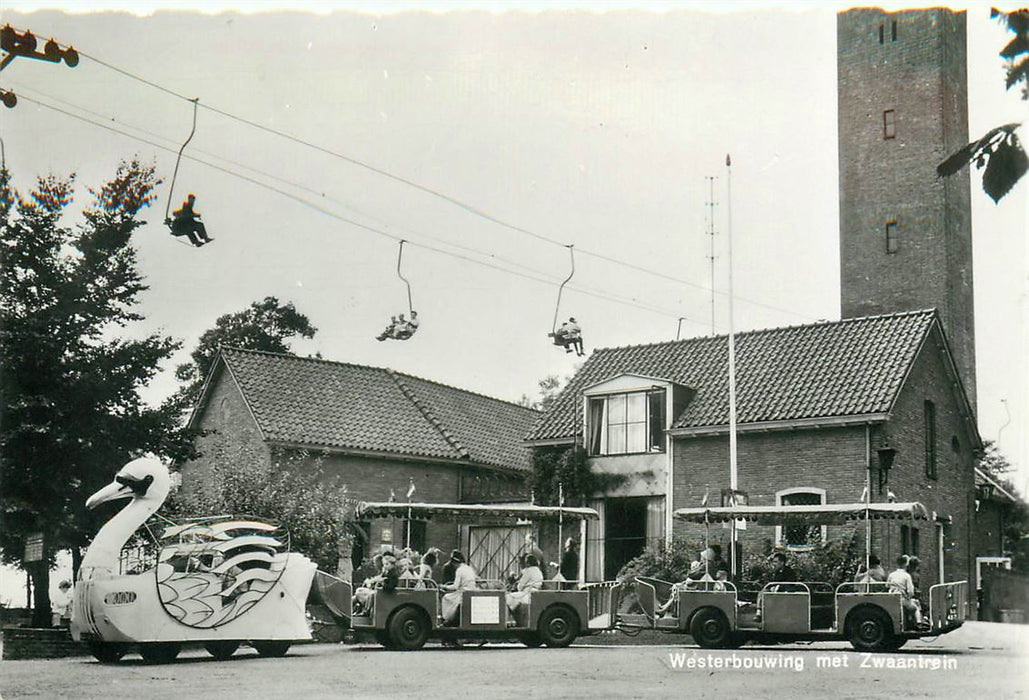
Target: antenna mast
711, 232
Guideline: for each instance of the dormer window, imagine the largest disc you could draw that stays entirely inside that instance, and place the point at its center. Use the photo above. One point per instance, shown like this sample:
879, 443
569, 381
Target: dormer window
627, 423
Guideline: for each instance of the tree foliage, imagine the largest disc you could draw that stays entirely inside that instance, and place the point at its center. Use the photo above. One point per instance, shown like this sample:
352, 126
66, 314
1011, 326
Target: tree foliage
71, 412
558, 469
999, 153
264, 325
549, 388
290, 487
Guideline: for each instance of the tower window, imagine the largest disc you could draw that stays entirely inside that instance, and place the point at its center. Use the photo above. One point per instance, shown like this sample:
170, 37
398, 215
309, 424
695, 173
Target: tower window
889, 124
892, 238
882, 34
893, 31
930, 440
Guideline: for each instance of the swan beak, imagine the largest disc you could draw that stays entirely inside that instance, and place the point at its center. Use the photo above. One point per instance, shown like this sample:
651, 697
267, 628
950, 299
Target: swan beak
111, 492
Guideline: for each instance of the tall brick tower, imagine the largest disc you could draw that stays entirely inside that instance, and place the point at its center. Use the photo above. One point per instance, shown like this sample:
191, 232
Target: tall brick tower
905, 235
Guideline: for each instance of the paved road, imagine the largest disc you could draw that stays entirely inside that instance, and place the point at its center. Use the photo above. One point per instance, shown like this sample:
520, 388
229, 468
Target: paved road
982, 661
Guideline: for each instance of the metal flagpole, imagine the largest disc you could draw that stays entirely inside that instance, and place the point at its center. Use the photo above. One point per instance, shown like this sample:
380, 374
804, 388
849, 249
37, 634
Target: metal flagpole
733, 478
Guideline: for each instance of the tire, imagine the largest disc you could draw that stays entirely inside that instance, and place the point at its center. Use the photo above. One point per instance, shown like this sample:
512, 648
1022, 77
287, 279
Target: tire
272, 649
531, 640
558, 626
408, 629
221, 649
159, 652
107, 652
710, 629
870, 629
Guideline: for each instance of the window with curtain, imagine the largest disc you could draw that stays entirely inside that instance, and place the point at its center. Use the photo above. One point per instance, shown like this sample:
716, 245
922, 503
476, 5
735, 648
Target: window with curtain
629, 423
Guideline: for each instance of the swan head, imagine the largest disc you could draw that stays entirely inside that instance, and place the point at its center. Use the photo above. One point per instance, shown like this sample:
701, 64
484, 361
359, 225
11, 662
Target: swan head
145, 479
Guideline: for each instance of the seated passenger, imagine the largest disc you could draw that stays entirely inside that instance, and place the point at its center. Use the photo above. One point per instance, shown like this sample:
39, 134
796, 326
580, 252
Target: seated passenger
405, 329
364, 596
782, 572
899, 581
530, 580
875, 572
464, 580
696, 573
423, 571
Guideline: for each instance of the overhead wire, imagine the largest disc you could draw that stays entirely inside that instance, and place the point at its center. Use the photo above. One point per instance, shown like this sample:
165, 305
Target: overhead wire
607, 296
436, 193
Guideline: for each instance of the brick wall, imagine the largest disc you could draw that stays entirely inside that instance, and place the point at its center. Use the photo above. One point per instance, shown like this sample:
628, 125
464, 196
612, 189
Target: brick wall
952, 491
40, 643
832, 459
921, 77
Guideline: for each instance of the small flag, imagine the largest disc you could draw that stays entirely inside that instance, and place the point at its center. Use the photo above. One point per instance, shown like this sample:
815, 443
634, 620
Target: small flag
561, 494
703, 501
728, 160
864, 494
392, 496
890, 496
410, 490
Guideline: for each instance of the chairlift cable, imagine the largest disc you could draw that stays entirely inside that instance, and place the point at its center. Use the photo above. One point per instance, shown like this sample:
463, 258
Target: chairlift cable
357, 224
178, 159
557, 307
428, 190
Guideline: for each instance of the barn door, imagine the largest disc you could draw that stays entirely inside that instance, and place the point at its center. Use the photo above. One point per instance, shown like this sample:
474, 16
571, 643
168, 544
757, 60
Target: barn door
494, 551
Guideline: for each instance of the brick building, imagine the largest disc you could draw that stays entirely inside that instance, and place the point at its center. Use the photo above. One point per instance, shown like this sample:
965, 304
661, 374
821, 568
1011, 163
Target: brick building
905, 234
380, 429
821, 409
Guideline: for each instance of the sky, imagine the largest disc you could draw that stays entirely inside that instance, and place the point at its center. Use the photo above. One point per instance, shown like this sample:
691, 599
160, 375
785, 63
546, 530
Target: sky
490, 139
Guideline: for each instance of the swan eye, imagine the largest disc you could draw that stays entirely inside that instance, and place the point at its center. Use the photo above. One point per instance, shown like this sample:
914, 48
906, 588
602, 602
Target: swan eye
139, 486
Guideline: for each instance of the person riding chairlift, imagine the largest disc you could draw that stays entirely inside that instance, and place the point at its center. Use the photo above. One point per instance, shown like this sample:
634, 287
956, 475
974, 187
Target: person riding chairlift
400, 328
569, 335
186, 222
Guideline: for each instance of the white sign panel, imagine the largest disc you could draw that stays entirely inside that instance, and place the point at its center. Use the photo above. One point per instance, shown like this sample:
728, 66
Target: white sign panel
485, 610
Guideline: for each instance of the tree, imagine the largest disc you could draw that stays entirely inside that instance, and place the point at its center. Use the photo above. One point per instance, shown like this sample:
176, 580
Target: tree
999, 151
549, 389
264, 325
71, 412
289, 487
993, 462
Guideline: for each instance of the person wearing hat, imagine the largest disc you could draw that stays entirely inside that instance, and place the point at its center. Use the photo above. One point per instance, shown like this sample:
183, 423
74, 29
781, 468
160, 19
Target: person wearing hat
450, 568
464, 580
186, 222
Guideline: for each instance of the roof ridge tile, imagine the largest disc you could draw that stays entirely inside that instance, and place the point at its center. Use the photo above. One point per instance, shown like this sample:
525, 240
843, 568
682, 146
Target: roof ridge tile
451, 439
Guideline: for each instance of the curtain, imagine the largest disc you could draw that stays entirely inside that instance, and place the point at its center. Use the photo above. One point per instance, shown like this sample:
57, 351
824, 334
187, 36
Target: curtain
655, 520
596, 427
595, 544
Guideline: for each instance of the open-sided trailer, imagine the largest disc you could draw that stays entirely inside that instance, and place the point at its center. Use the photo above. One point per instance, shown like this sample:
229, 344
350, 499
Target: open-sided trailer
718, 615
406, 617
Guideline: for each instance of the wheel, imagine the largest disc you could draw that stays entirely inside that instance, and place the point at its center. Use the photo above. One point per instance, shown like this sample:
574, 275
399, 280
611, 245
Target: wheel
710, 629
869, 629
107, 652
558, 626
271, 648
221, 649
408, 629
159, 652
530, 639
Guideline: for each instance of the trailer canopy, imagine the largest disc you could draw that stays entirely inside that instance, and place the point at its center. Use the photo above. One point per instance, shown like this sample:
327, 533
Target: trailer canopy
826, 514
472, 512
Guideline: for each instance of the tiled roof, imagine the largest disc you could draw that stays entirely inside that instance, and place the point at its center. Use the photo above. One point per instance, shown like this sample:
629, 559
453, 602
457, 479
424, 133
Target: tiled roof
318, 403
841, 368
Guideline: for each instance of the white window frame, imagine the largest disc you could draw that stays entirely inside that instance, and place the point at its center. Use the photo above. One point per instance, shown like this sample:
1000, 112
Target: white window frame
778, 528
604, 450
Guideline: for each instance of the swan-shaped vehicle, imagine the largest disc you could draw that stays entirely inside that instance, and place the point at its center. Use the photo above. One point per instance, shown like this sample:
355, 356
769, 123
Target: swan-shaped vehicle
217, 581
